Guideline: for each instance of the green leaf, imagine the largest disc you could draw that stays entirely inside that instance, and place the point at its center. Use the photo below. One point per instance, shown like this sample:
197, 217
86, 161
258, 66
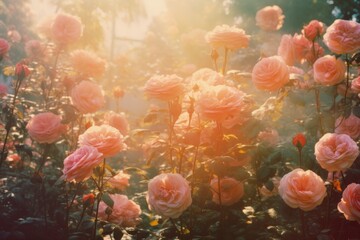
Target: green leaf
118, 234
107, 199
264, 173
275, 158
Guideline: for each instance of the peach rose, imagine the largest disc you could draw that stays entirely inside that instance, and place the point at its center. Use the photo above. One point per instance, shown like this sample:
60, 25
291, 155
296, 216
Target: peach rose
302, 189
349, 126
231, 190
209, 76
46, 127
350, 202
343, 36
168, 195
314, 29
87, 97
229, 37
270, 73
4, 47
87, 63
125, 212
66, 29
108, 140
305, 50
3, 90
220, 102
270, 18
287, 50
329, 71
336, 152
164, 87
117, 121
119, 181
355, 85
79, 165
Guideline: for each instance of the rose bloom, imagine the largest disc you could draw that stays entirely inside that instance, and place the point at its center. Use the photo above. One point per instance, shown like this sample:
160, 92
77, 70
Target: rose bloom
270, 137
119, 181
355, 85
350, 202
229, 37
270, 18
270, 74
209, 76
4, 47
79, 165
125, 212
305, 50
220, 102
117, 121
231, 190
349, 126
336, 152
46, 127
35, 49
302, 189
287, 50
329, 71
168, 195
87, 97
66, 29
108, 140
314, 29
87, 63
3, 90
164, 87
343, 36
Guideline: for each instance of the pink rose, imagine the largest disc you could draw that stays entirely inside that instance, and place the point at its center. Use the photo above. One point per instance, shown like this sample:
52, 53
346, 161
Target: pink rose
329, 71
35, 49
350, 202
4, 47
120, 181
79, 165
218, 103
287, 50
228, 37
117, 121
270, 74
168, 195
343, 36
302, 189
66, 29
336, 152
305, 50
355, 85
270, 137
3, 90
125, 212
231, 190
46, 127
164, 87
87, 97
108, 140
270, 18
87, 63
349, 126
314, 29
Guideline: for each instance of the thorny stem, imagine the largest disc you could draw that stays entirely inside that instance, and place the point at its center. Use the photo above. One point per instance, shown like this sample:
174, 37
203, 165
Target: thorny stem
100, 185
347, 85
300, 156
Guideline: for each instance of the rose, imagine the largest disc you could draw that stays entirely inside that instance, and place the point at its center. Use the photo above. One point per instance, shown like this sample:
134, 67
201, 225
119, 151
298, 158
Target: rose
108, 140
336, 152
269, 137
302, 189
209, 76
46, 127
349, 126
299, 140
88, 199
119, 181
87, 63
79, 165
355, 85
35, 49
168, 195
231, 190
343, 36
124, 212
164, 87
350, 202
270, 73
305, 49
270, 18
4, 47
66, 29
117, 121
329, 71
220, 102
87, 97
314, 29
231, 38
287, 50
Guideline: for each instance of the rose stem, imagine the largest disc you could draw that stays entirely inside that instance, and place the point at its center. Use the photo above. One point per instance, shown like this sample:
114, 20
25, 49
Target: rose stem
52, 77
318, 109
170, 135
300, 156
176, 228
303, 226
100, 186
226, 50
68, 206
